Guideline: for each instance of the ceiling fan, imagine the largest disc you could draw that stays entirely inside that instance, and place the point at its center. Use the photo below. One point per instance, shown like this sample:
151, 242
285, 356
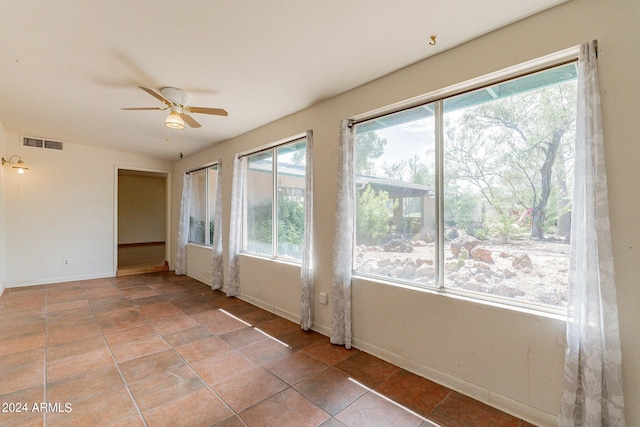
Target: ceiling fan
177, 101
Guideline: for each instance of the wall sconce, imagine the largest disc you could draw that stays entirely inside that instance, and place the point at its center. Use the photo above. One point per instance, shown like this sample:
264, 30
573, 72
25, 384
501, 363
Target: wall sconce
16, 164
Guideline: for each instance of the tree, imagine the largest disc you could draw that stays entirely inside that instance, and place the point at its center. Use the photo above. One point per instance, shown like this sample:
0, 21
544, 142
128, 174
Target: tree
507, 149
369, 146
372, 213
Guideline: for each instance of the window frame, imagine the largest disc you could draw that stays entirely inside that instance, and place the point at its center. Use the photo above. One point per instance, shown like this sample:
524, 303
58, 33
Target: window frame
273, 148
208, 237
437, 99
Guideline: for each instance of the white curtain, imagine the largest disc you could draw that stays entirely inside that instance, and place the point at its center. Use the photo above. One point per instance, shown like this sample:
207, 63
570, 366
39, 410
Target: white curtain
307, 275
183, 226
216, 254
592, 383
343, 240
235, 225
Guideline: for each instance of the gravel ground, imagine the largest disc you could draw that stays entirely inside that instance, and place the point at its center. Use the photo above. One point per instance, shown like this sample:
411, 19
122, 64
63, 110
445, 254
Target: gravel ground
526, 270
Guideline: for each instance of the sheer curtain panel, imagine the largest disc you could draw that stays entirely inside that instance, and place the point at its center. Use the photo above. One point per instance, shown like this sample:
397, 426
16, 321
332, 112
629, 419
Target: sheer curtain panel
217, 262
592, 383
183, 226
343, 240
235, 225
307, 274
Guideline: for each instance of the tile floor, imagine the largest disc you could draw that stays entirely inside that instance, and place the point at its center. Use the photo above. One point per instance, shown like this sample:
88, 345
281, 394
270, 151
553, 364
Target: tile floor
164, 350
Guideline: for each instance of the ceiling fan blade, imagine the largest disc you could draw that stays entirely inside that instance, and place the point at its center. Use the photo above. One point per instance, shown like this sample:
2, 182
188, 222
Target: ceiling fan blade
145, 108
204, 110
190, 121
156, 95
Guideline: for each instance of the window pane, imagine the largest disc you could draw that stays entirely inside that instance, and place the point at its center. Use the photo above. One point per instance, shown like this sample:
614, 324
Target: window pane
197, 225
291, 185
508, 161
395, 196
259, 203
213, 181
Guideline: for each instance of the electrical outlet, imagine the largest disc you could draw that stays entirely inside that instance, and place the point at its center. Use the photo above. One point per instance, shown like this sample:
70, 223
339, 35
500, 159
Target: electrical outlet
65, 262
324, 298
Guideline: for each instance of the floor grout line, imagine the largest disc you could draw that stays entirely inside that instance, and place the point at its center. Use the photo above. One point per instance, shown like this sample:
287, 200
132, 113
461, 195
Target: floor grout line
191, 368
193, 292
115, 361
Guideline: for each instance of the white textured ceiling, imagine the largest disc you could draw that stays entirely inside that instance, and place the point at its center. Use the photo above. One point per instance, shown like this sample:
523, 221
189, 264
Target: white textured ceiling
68, 66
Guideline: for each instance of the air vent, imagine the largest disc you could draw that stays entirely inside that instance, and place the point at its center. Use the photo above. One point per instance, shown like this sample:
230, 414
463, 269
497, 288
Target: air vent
54, 145
41, 143
32, 142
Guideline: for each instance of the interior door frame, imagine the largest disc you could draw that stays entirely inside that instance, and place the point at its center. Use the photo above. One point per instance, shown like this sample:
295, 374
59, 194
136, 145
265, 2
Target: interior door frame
168, 238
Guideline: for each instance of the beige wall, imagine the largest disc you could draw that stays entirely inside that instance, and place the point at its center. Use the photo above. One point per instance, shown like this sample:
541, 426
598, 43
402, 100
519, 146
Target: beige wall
2, 209
63, 208
510, 359
142, 208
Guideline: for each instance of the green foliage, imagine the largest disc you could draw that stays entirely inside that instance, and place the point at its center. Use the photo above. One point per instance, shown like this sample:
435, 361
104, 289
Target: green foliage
506, 227
461, 208
372, 216
290, 226
259, 223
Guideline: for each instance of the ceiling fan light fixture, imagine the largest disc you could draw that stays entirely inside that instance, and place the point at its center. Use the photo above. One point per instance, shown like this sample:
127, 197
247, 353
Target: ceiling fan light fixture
174, 121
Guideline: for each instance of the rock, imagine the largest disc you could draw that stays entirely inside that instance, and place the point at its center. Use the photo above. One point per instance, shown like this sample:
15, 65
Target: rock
455, 249
452, 234
507, 273
481, 253
385, 262
409, 268
467, 243
422, 261
480, 277
454, 265
481, 266
550, 296
419, 243
396, 272
425, 270
520, 262
398, 245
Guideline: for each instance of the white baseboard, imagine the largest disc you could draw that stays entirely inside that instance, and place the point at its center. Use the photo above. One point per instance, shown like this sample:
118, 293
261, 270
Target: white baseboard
498, 401
204, 280
270, 308
62, 279
503, 403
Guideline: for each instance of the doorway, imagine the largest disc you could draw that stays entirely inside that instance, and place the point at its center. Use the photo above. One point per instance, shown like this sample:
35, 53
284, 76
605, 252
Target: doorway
142, 219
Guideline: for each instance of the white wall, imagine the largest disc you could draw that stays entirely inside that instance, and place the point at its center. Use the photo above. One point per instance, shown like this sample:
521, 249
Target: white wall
142, 208
510, 359
63, 208
2, 209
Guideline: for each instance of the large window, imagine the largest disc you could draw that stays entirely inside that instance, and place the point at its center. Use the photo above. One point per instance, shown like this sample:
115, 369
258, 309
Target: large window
275, 186
203, 205
472, 193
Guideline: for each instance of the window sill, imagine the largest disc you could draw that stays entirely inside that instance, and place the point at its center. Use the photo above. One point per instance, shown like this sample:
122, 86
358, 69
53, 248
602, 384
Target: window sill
198, 245
280, 260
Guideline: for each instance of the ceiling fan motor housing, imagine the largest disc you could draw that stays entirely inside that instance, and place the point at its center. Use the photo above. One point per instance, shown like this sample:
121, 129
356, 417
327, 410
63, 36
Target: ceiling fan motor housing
176, 96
